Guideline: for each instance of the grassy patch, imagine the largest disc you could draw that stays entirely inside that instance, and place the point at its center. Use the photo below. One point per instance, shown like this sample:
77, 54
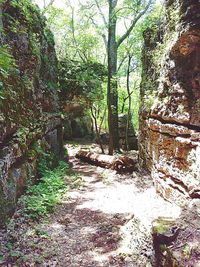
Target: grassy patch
42, 198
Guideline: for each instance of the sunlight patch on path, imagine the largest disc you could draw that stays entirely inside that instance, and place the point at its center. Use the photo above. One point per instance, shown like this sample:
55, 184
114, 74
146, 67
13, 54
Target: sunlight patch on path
127, 199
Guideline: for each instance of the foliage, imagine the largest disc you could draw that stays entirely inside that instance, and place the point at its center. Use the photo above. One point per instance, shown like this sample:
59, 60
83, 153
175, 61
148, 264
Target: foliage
7, 66
7, 62
85, 79
75, 36
80, 32
30, 12
41, 198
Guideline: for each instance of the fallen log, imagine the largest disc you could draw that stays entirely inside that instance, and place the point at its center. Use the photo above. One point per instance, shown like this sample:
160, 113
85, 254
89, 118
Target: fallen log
118, 163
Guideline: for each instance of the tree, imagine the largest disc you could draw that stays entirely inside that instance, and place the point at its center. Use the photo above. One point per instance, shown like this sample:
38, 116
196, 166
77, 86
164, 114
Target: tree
113, 46
1, 22
112, 94
47, 4
81, 30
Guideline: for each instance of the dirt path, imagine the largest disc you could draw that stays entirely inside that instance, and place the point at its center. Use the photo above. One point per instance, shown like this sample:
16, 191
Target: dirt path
105, 222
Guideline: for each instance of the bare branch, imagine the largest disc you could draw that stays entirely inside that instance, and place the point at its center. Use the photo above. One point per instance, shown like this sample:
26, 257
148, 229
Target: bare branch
83, 57
101, 33
127, 33
122, 61
101, 13
47, 5
91, 19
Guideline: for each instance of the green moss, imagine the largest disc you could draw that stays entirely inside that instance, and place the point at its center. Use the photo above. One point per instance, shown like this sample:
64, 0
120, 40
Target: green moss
171, 34
30, 12
34, 44
163, 225
49, 36
21, 135
7, 62
157, 51
7, 68
16, 90
187, 251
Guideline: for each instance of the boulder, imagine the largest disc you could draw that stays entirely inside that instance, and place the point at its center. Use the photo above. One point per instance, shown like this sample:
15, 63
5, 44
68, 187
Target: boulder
77, 127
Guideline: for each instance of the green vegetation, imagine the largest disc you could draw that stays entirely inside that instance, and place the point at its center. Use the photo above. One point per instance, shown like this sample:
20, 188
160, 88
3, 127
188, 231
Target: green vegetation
84, 77
7, 62
159, 45
163, 225
187, 250
30, 12
81, 41
25, 41
40, 199
7, 67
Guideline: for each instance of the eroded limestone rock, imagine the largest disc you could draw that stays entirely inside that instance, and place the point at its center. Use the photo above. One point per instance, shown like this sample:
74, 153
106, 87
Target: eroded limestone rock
169, 116
29, 110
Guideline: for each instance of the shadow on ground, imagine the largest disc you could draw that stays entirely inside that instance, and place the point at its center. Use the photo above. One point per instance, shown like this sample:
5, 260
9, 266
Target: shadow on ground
106, 222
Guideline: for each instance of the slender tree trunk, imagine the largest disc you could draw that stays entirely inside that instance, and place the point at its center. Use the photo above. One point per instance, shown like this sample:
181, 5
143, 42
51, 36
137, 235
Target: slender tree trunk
97, 130
112, 94
129, 101
123, 105
1, 23
102, 120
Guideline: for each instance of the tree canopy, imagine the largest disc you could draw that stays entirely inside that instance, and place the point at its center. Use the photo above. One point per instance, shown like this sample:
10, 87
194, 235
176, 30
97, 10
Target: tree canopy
93, 35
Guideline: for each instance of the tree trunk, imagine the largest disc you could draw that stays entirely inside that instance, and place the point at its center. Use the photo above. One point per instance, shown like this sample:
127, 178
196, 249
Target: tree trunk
1, 23
120, 164
97, 130
112, 94
129, 101
102, 120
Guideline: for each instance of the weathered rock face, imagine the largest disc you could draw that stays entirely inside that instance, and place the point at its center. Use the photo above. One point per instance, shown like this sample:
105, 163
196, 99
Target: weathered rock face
170, 111
77, 127
29, 116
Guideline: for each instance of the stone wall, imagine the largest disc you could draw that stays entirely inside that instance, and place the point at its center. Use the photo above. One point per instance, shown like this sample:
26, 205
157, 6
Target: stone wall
29, 110
170, 111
